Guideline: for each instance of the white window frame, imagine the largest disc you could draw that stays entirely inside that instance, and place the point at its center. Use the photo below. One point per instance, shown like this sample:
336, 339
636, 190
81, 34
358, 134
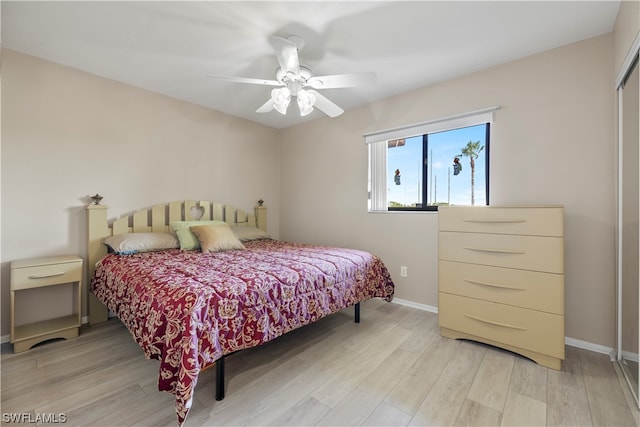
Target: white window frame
377, 143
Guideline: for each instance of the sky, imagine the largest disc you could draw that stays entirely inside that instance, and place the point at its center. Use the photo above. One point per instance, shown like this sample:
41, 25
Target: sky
444, 186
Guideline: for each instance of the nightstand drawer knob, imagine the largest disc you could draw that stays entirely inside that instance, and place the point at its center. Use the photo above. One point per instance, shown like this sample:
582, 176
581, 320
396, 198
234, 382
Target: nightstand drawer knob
46, 275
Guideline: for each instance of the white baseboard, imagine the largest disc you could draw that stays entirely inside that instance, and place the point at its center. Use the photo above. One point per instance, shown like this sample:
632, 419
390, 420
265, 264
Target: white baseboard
596, 348
630, 356
585, 345
419, 306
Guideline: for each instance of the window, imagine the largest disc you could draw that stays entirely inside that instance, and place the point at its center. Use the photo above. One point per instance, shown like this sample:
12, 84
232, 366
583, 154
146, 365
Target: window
421, 167
442, 168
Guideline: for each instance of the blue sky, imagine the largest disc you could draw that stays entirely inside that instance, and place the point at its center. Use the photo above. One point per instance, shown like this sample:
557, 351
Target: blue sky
443, 147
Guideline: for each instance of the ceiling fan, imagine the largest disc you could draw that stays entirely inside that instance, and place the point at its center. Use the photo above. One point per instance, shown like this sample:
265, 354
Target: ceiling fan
295, 80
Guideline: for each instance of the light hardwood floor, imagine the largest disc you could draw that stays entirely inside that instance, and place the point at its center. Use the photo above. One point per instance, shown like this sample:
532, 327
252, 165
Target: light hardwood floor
393, 369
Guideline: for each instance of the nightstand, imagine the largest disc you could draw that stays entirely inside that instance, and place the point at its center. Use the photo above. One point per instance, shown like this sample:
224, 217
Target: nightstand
39, 273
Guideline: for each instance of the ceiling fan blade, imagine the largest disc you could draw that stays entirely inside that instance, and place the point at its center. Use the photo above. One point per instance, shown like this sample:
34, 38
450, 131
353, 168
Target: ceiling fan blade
266, 107
342, 80
247, 80
326, 106
287, 53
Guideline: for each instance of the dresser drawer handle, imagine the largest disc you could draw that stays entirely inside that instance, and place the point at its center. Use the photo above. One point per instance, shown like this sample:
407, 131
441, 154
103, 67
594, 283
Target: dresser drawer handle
46, 275
491, 322
500, 251
494, 285
506, 220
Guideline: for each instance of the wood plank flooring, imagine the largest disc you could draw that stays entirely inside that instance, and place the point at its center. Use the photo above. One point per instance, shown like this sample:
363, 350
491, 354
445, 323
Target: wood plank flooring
393, 369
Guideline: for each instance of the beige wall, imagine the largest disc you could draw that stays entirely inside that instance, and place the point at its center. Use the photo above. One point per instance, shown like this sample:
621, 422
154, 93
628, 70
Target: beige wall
552, 143
67, 135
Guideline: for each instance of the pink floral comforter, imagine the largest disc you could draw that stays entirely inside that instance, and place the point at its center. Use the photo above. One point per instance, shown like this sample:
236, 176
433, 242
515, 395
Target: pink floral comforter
188, 309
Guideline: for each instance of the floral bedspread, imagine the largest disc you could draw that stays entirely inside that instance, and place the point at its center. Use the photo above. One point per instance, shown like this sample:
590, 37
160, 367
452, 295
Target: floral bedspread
188, 309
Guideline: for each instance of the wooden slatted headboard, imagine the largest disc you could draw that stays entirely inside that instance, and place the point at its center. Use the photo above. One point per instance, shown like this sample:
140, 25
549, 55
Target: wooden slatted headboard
155, 219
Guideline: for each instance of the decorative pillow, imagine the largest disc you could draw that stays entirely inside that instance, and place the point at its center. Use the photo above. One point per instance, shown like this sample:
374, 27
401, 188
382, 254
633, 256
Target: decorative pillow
215, 238
131, 243
246, 233
188, 241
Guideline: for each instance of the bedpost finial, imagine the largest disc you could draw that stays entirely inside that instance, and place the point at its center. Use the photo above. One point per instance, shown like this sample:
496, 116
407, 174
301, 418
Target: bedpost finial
96, 199
260, 202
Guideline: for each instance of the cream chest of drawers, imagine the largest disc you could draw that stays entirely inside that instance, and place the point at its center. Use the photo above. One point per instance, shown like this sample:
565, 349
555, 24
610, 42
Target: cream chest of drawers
501, 278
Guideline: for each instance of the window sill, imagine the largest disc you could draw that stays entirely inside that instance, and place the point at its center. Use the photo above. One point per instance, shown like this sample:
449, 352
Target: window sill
397, 211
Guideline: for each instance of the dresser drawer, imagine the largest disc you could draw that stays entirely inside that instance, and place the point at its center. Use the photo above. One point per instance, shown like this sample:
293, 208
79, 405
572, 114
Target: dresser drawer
501, 250
26, 277
520, 288
535, 221
519, 327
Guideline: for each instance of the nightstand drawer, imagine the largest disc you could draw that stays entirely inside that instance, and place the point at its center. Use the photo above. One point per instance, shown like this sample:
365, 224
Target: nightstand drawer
512, 251
519, 327
540, 221
34, 276
520, 288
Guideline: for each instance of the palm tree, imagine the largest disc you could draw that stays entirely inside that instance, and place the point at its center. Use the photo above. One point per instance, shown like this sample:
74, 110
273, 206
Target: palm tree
472, 150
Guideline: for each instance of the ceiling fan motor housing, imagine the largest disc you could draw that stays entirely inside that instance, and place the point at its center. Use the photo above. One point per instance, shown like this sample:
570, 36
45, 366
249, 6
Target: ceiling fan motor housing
293, 81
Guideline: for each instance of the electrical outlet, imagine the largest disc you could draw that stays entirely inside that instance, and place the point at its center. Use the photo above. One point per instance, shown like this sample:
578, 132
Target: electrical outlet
403, 271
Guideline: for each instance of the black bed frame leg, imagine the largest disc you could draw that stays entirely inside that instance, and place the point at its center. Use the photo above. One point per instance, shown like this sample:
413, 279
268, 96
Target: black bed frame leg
220, 362
220, 378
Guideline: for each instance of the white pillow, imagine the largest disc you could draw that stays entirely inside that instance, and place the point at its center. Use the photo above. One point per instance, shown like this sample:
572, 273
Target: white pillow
246, 233
131, 243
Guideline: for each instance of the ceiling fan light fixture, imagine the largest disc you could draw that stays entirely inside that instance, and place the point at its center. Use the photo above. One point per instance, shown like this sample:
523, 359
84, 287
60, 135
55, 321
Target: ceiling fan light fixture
281, 98
291, 78
306, 101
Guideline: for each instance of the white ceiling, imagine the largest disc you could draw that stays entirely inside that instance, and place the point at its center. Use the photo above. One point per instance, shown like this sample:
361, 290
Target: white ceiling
173, 47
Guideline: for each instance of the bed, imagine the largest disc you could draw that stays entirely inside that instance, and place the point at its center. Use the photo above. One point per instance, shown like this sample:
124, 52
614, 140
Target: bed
196, 281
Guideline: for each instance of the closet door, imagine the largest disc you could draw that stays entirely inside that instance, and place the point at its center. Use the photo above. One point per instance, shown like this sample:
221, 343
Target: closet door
629, 232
